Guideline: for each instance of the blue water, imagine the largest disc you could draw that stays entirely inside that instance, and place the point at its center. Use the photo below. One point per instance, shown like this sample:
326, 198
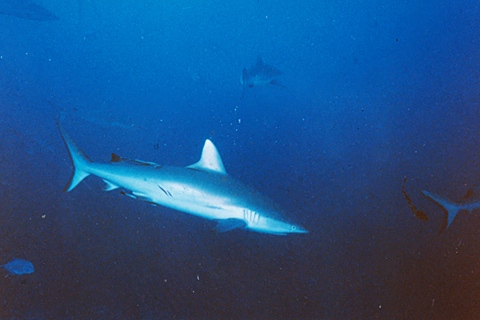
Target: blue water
375, 92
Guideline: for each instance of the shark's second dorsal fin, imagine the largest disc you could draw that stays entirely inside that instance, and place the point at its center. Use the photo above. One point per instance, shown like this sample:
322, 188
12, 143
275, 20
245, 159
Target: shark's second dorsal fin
210, 159
472, 194
115, 158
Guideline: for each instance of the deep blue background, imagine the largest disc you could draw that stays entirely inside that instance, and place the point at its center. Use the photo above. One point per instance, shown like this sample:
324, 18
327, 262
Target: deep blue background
374, 92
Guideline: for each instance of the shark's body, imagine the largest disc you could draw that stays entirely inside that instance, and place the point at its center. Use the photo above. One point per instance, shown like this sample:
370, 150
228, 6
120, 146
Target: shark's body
260, 74
203, 189
469, 203
26, 9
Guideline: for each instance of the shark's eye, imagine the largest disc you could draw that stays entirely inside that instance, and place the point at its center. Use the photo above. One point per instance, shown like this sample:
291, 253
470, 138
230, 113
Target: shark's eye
294, 228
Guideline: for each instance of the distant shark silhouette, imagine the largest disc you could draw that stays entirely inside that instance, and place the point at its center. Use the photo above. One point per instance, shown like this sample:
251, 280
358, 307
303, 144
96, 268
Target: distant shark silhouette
470, 202
26, 9
260, 74
203, 189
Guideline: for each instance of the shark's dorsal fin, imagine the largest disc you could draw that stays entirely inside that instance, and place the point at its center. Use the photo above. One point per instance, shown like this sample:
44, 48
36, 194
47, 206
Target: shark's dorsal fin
210, 159
472, 194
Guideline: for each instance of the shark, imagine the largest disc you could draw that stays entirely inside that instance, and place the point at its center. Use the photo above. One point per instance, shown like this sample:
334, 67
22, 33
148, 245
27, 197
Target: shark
260, 74
26, 9
469, 202
203, 189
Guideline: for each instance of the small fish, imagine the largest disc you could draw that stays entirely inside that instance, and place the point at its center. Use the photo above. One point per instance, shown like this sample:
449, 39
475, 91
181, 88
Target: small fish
19, 267
419, 214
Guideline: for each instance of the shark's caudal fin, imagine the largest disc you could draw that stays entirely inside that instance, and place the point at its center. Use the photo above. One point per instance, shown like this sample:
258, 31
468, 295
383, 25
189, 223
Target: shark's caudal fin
80, 161
449, 208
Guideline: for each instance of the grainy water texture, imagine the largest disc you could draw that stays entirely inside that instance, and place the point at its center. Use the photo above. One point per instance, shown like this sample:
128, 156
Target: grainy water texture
361, 114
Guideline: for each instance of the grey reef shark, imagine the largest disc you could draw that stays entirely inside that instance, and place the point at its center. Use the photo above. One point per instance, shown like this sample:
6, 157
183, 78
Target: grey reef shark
26, 9
203, 189
259, 75
469, 202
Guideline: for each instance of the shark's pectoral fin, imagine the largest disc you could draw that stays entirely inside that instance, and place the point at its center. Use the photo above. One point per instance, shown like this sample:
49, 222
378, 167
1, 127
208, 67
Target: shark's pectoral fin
142, 197
229, 225
444, 225
110, 186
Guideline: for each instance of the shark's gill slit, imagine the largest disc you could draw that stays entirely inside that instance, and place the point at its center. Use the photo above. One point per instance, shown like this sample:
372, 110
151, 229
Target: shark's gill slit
165, 191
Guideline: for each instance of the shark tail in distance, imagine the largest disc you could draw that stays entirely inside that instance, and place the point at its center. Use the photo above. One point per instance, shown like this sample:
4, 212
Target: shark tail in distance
449, 208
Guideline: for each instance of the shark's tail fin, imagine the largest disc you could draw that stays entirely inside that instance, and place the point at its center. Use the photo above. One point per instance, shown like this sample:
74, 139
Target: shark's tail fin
449, 208
80, 161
